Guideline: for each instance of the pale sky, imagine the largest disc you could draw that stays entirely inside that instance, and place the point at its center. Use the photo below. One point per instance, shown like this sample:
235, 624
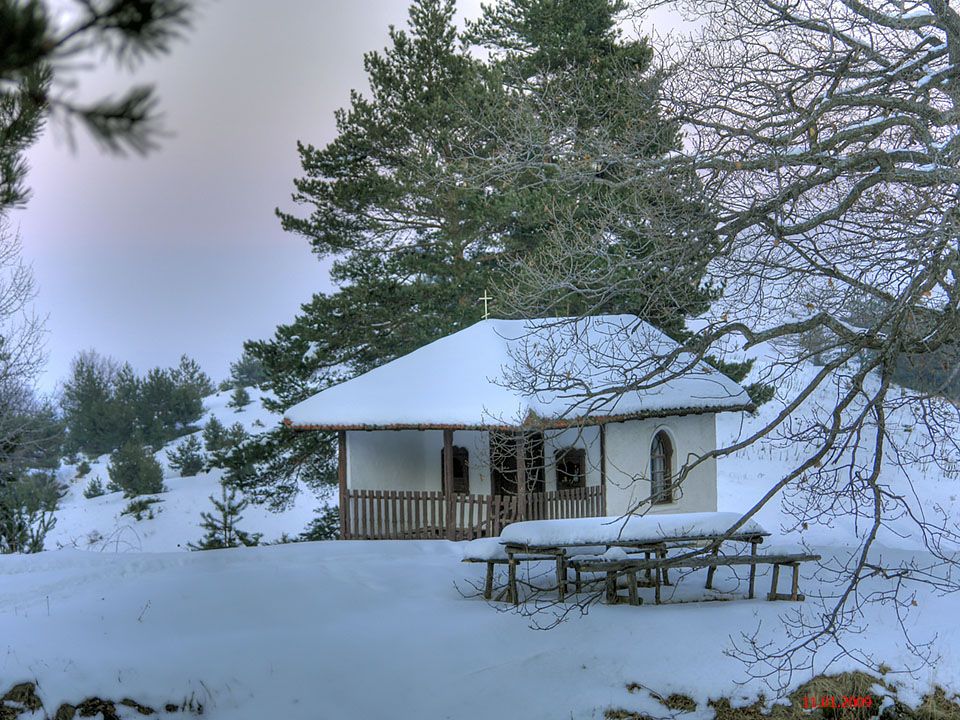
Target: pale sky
180, 252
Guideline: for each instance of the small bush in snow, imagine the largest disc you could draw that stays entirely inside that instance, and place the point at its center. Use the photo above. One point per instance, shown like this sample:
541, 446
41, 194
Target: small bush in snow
239, 399
134, 470
141, 507
187, 458
94, 489
83, 468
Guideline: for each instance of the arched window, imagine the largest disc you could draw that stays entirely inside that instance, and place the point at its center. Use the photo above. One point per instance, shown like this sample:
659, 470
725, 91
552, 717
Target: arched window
661, 464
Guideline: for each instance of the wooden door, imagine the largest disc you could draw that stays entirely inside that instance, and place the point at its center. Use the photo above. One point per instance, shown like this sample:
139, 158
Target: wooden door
503, 463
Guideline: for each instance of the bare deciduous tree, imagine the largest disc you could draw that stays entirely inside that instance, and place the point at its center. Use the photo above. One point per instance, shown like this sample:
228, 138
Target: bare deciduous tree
823, 138
29, 434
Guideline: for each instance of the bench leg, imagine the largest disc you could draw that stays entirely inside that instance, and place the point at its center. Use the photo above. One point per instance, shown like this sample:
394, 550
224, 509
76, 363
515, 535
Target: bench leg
666, 572
611, 587
632, 586
794, 593
774, 582
656, 590
578, 582
710, 571
561, 578
753, 569
646, 556
488, 584
512, 581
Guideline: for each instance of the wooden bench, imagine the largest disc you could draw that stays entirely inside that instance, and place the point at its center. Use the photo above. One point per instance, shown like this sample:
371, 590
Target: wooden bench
659, 566
493, 553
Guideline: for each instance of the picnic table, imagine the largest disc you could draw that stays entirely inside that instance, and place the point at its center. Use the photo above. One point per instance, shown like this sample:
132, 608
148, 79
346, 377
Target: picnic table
612, 545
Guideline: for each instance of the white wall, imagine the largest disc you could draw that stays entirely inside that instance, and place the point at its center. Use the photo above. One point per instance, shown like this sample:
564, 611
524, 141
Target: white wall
628, 463
410, 460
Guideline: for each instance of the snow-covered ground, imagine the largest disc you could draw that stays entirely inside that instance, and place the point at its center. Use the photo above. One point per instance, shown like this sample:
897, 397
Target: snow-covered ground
384, 629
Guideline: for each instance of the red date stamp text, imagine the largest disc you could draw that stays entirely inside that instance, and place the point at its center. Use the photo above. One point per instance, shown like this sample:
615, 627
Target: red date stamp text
838, 703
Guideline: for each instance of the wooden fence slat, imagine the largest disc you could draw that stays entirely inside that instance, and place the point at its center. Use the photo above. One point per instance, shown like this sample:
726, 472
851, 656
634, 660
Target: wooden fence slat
399, 514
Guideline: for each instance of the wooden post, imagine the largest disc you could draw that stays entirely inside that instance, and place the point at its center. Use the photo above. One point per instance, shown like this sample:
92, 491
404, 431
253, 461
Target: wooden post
342, 478
603, 466
521, 476
448, 483
488, 584
753, 567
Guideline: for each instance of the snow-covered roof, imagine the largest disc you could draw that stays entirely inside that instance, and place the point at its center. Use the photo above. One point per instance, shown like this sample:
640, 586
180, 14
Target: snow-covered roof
519, 373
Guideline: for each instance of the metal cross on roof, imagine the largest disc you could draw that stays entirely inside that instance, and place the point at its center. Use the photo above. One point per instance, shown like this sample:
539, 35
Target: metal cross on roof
486, 299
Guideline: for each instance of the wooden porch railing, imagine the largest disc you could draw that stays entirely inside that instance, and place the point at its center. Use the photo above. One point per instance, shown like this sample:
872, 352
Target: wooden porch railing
422, 515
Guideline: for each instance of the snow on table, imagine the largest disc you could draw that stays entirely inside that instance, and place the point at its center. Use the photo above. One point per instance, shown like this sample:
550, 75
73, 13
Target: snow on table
484, 549
632, 529
492, 549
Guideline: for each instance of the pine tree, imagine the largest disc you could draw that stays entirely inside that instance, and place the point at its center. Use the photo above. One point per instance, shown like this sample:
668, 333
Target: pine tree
105, 404
189, 375
325, 526
221, 525
248, 371
235, 435
38, 42
192, 384
413, 244
87, 404
135, 471
214, 435
577, 85
187, 458
239, 399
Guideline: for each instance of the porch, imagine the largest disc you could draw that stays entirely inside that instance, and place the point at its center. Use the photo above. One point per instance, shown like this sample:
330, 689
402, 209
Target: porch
423, 515
511, 481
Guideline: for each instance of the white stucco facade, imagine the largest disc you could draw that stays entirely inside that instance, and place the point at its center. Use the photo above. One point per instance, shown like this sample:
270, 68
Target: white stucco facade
628, 463
411, 460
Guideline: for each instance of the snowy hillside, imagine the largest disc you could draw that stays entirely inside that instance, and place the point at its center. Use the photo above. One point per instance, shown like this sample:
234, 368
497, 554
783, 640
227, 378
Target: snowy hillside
97, 523
396, 629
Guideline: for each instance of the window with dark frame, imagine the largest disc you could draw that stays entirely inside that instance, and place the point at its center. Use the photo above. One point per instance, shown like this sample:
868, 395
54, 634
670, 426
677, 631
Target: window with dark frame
461, 471
571, 464
661, 463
